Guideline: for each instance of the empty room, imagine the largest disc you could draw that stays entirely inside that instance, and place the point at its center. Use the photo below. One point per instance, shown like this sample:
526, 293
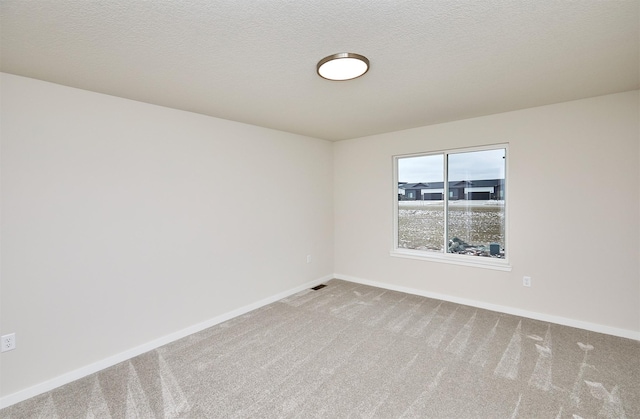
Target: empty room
380, 209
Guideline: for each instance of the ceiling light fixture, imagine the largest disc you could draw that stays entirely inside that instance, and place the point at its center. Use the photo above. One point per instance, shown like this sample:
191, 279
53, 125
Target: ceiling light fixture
342, 66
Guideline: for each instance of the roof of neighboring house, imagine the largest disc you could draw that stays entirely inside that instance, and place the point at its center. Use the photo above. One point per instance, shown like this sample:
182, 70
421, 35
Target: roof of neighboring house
421, 185
482, 182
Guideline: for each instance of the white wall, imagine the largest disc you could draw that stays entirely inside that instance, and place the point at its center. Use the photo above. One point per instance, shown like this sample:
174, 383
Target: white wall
573, 212
123, 222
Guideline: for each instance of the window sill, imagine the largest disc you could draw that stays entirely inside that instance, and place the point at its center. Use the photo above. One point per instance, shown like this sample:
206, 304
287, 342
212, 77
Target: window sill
475, 261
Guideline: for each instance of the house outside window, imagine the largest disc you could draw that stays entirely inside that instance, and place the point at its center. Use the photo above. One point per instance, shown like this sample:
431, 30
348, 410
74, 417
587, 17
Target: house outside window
459, 214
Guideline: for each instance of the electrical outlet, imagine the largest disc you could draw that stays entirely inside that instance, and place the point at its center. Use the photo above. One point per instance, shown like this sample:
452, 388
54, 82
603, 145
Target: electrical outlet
8, 342
526, 281
308, 258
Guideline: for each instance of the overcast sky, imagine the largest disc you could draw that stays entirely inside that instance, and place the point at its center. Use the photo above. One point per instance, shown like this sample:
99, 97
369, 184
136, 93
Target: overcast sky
475, 165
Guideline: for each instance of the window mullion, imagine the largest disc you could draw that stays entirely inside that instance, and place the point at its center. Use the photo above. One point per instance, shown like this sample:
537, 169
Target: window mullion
445, 201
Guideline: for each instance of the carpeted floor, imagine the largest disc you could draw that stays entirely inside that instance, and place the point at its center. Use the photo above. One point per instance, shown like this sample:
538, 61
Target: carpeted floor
350, 350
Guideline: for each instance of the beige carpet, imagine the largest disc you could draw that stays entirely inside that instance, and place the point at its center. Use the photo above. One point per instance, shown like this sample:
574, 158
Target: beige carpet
350, 350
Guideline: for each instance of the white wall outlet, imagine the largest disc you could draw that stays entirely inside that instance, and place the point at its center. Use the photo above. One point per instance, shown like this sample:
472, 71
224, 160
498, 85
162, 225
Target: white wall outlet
8, 342
526, 281
308, 258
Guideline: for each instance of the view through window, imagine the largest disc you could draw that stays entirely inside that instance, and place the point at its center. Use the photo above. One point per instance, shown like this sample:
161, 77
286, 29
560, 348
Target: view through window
453, 202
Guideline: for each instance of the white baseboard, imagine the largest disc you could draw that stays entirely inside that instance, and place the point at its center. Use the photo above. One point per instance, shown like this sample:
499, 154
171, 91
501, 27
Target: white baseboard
594, 327
82, 372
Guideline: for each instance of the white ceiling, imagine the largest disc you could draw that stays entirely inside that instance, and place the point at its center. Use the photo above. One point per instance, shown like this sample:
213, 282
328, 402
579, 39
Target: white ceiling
254, 61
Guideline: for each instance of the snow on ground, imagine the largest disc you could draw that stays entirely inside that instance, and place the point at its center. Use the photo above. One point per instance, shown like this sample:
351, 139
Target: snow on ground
458, 203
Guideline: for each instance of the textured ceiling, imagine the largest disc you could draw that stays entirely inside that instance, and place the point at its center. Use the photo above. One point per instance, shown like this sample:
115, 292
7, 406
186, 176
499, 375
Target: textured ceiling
254, 61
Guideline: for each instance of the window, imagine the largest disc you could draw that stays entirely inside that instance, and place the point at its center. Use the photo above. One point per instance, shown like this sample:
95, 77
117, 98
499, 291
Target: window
451, 206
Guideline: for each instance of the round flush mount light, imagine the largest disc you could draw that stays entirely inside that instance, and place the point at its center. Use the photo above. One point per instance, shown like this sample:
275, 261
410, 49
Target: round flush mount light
343, 66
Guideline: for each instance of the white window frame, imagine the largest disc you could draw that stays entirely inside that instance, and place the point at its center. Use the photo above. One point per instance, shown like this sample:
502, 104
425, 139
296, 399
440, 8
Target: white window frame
445, 257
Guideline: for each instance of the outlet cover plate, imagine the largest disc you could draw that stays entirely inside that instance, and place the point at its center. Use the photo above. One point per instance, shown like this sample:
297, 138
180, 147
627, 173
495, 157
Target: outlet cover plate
8, 342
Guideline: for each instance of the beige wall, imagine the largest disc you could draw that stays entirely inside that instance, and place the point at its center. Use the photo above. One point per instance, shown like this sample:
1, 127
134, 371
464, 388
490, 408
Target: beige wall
573, 212
124, 222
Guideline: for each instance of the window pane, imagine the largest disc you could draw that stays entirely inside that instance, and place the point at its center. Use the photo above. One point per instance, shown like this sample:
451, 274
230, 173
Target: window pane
420, 203
476, 206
